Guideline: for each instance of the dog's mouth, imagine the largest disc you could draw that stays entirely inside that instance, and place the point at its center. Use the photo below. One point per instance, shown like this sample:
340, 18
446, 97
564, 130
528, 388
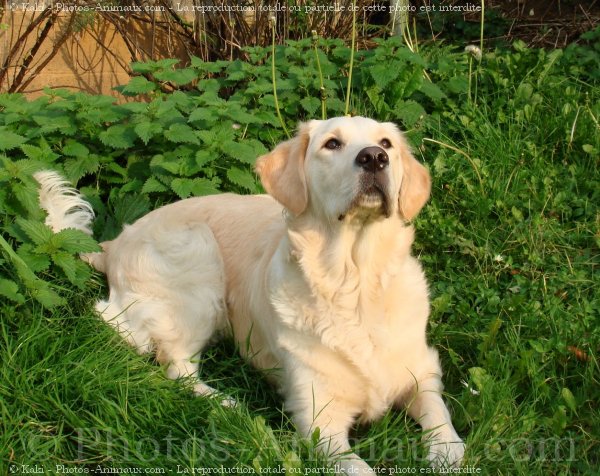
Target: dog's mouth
372, 200
373, 197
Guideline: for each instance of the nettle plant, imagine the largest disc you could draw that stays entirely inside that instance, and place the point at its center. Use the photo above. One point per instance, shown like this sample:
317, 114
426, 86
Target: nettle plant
185, 132
198, 130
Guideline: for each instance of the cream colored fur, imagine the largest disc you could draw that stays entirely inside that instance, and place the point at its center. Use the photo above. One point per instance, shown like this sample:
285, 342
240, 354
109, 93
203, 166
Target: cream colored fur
315, 281
63, 204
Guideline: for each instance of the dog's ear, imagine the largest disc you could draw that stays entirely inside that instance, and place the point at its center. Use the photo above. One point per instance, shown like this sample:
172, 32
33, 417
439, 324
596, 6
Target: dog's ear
415, 188
282, 171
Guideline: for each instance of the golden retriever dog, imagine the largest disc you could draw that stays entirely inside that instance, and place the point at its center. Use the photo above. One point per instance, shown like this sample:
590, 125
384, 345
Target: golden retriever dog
315, 281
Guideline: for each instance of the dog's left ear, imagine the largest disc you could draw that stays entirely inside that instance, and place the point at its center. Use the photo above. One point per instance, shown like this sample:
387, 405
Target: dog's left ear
415, 188
282, 171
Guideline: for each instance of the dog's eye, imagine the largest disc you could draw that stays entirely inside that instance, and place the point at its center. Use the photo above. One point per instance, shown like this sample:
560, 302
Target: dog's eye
333, 144
385, 143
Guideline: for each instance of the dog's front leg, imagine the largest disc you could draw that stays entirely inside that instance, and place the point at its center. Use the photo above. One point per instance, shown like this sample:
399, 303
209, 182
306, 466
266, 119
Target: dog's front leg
425, 405
333, 440
315, 408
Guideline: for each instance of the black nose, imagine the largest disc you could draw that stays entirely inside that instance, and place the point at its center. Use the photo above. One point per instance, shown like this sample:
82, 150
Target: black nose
372, 159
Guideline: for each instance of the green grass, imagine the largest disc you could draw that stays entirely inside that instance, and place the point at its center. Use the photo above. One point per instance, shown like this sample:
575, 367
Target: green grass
510, 244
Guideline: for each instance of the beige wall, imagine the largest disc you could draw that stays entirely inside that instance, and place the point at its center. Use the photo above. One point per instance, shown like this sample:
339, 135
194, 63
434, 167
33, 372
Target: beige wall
94, 59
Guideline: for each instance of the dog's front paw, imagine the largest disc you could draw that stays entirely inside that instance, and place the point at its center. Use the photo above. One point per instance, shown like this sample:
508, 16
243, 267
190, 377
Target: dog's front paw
228, 402
353, 465
202, 390
446, 452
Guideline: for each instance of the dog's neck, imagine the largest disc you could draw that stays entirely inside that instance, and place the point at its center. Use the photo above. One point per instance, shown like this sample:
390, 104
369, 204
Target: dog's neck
349, 256
349, 278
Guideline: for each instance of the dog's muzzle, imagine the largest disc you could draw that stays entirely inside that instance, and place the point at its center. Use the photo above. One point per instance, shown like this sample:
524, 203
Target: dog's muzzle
373, 192
372, 159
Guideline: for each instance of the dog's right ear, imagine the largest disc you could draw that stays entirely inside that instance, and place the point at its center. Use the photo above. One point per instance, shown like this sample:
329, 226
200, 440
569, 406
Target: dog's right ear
282, 171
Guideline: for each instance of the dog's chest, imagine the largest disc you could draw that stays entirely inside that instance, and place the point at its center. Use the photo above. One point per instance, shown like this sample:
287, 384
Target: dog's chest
380, 352
352, 319
370, 337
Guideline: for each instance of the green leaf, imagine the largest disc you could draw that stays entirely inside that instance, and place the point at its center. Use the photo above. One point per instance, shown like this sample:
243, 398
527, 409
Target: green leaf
376, 96
168, 163
182, 187
240, 151
235, 76
517, 214
196, 187
558, 422
204, 157
153, 185
75, 241
45, 295
75, 149
37, 232
39, 289
184, 101
208, 137
569, 399
480, 378
130, 207
27, 195
209, 66
68, 263
118, 137
432, 91
138, 85
260, 87
33, 152
187, 159
76, 271
77, 168
9, 140
589, 149
52, 121
286, 85
135, 107
410, 112
458, 84
316, 436
212, 99
41, 153
120, 173
292, 463
133, 185
413, 83
243, 178
267, 101
10, 290
146, 130
538, 346
243, 117
270, 118
20, 169
96, 117
144, 67
384, 73
178, 77
181, 133
35, 261
310, 104
524, 92
203, 114
167, 63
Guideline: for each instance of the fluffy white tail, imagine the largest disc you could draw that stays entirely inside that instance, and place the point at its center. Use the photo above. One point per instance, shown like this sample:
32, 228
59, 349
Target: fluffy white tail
64, 205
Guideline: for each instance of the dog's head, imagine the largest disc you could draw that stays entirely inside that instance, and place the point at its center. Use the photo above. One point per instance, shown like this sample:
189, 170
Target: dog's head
346, 166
